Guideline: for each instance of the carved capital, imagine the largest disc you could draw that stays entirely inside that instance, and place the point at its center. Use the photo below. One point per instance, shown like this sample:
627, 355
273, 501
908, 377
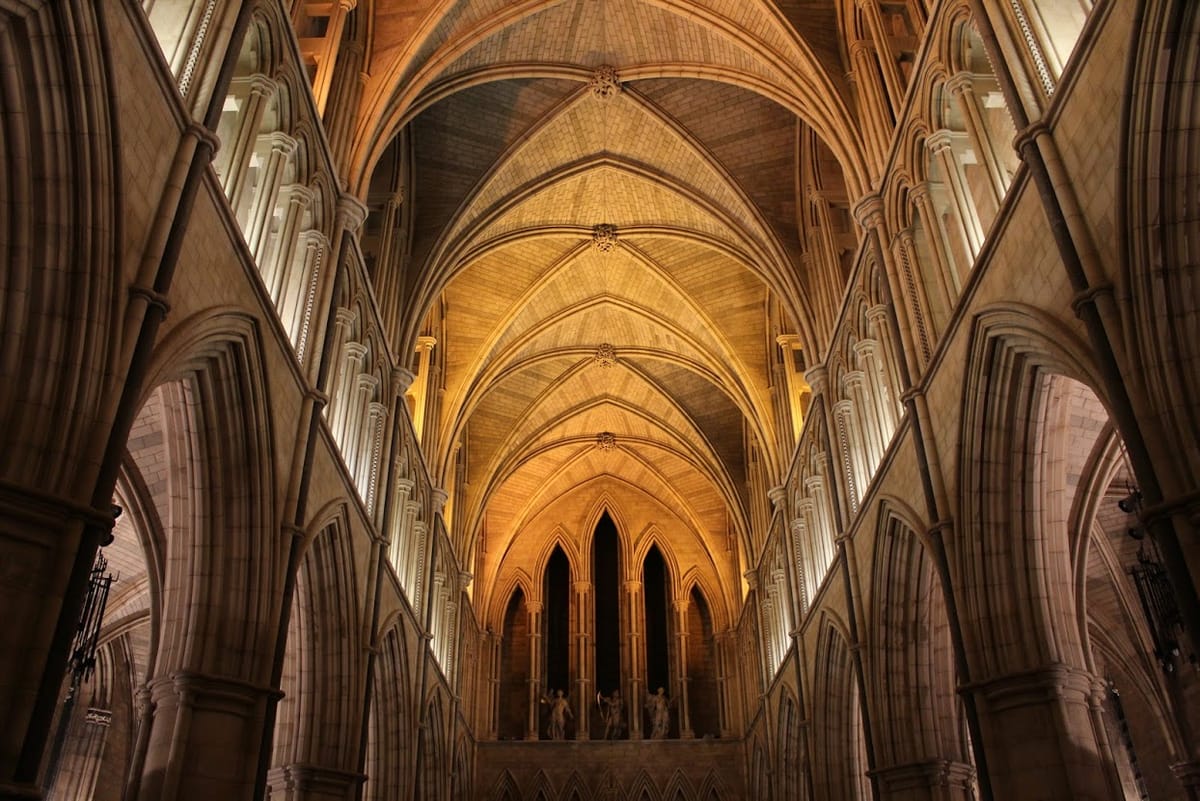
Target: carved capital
869, 212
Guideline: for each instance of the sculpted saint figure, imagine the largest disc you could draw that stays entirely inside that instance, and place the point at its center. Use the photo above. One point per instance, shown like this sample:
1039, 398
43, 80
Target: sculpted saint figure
659, 707
612, 709
560, 710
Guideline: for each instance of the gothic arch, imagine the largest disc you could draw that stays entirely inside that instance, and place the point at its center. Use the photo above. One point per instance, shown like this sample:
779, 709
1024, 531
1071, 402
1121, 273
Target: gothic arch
575, 789
1010, 372
62, 269
838, 761
912, 681
318, 718
643, 788
391, 718
790, 760
219, 432
1158, 267
506, 788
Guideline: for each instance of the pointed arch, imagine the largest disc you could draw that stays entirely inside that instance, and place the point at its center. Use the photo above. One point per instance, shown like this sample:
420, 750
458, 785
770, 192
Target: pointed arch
643, 788
911, 674
1008, 392
839, 759
318, 722
391, 717
506, 788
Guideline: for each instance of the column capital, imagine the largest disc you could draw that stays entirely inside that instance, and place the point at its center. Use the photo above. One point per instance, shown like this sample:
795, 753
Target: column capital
351, 212
425, 344
919, 192
940, 140
961, 83
869, 211
299, 194
778, 495
1188, 773
816, 377
314, 779
280, 142
402, 379
751, 577
1031, 687
788, 341
859, 47
258, 84
924, 775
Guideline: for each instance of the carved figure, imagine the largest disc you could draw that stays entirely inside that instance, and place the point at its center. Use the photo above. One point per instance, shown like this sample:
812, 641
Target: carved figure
659, 707
560, 710
612, 709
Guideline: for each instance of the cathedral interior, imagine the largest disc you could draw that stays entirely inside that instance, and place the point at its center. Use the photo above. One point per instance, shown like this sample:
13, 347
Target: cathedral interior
600, 400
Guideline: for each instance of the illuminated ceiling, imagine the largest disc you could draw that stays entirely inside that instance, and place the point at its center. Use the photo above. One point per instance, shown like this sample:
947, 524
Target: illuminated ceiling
606, 241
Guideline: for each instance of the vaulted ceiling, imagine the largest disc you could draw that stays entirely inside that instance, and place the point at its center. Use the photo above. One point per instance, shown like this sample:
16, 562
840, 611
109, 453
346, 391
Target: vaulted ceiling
605, 244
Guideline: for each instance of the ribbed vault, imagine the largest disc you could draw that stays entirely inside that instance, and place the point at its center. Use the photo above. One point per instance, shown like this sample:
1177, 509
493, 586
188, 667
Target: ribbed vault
604, 251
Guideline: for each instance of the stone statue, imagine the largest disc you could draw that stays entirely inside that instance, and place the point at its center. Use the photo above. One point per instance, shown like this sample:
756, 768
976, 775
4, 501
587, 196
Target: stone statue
612, 709
560, 710
659, 707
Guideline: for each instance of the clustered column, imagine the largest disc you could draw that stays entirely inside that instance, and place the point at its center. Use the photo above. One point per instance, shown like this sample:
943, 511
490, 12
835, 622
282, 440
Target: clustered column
584, 658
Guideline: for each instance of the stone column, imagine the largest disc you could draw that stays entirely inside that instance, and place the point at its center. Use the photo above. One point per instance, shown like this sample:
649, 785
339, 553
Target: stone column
233, 159
933, 780
493, 686
869, 214
1040, 737
377, 415
205, 738
1188, 774
278, 272
534, 610
941, 144
343, 322
256, 219
345, 391
681, 695
328, 52
891, 385
873, 108
312, 783
301, 291
388, 280
420, 390
962, 87
892, 80
584, 661
928, 321
637, 657
723, 642
945, 271
789, 344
